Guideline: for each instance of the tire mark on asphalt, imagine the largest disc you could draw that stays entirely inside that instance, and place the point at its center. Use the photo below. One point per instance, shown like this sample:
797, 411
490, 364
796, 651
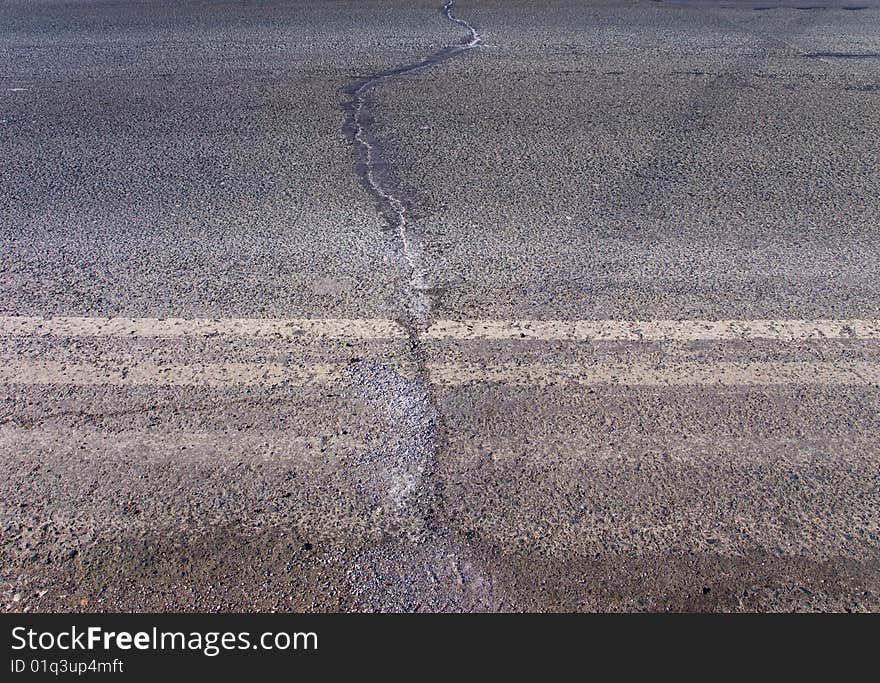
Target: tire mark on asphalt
695, 122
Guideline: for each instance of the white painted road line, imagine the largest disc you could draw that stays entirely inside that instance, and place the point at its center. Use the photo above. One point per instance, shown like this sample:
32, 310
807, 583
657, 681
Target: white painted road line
330, 328
465, 330
666, 374
654, 330
673, 375
257, 374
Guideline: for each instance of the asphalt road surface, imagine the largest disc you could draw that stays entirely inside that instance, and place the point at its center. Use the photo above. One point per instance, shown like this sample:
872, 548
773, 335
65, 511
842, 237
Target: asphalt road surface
399, 306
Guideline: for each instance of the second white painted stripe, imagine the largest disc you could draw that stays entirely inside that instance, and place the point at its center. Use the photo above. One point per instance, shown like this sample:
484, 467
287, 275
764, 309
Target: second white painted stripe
256, 374
679, 374
148, 374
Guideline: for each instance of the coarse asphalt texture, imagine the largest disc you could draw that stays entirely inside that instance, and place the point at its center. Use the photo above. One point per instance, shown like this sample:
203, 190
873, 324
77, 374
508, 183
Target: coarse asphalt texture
412, 306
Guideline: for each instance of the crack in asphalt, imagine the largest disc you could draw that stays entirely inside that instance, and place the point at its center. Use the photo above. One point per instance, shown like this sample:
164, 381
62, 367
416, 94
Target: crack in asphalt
424, 565
377, 175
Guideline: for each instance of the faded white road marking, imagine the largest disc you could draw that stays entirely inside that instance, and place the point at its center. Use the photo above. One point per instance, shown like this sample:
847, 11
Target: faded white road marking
464, 330
269, 444
330, 328
449, 374
678, 374
149, 374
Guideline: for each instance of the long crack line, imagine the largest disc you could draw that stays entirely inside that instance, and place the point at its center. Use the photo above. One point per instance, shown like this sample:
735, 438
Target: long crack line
375, 171
405, 572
